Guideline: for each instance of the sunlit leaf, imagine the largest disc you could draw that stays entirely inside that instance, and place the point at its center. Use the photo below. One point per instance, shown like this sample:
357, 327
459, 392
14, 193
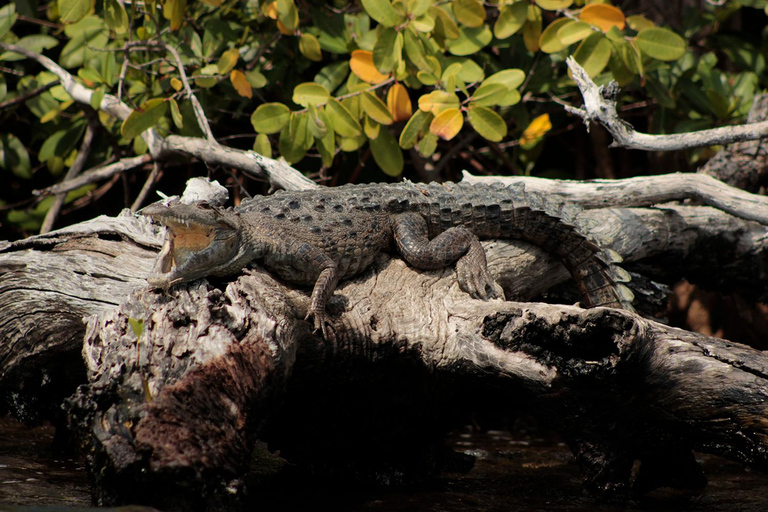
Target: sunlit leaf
173, 11
71, 11
574, 32
470, 40
399, 103
538, 127
593, 53
660, 43
438, 101
375, 108
362, 65
532, 29
256, 78
333, 75
310, 93
344, 123
228, 61
144, 117
469, 13
381, 11
240, 83
270, 117
447, 124
488, 94
554, 5
116, 16
445, 27
603, 16
288, 14
36, 43
487, 123
549, 41
309, 47
178, 119
262, 145
638, 22
8, 17
371, 128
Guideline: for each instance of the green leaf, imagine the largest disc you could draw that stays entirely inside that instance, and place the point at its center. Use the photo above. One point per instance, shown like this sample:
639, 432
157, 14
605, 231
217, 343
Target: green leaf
317, 124
333, 75
550, 41
418, 7
262, 145
469, 72
445, 27
143, 118
660, 43
511, 78
87, 36
487, 123
288, 14
375, 108
414, 50
593, 53
470, 13
116, 16
416, 126
309, 47
14, 156
470, 40
137, 326
511, 19
574, 32
270, 117
61, 142
371, 128
178, 119
427, 145
36, 43
438, 101
381, 11
327, 145
8, 17
256, 78
387, 154
488, 95
554, 5
310, 93
388, 50
227, 61
344, 123
72, 11
295, 139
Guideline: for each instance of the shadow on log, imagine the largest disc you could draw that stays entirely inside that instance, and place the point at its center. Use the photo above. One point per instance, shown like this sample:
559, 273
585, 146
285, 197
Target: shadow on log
177, 387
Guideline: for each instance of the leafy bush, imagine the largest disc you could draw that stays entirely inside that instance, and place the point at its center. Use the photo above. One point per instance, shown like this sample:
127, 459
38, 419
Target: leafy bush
322, 78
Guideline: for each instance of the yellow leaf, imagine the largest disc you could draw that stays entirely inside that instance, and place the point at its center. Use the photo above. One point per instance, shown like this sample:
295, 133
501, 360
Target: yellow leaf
240, 83
228, 60
603, 16
447, 124
536, 129
399, 103
438, 102
361, 64
283, 29
176, 84
272, 10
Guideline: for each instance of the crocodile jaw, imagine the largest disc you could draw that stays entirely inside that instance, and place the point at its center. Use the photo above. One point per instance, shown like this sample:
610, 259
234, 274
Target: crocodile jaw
198, 242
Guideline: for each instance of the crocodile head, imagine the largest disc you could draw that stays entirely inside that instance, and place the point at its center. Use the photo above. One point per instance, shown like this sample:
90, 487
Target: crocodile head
200, 240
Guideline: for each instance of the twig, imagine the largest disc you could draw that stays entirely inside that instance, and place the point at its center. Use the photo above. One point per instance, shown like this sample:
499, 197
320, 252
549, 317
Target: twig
147, 187
74, 170
95, 175
646, 191
30, 94
600, 106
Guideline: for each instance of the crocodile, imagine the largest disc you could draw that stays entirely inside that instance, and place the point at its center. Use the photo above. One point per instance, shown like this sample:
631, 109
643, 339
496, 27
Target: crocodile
317, 237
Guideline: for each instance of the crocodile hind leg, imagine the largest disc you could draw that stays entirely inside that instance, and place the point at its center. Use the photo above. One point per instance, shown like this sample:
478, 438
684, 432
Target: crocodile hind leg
457, 244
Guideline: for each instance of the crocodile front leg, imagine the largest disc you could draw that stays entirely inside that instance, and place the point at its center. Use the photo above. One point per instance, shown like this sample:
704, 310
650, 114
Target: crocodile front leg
456, 244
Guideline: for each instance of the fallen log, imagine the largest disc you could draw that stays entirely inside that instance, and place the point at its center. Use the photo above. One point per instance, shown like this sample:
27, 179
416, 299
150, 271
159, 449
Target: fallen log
172, 389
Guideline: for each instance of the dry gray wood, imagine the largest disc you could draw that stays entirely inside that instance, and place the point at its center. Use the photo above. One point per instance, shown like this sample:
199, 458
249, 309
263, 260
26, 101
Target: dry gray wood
600, 106
211, 363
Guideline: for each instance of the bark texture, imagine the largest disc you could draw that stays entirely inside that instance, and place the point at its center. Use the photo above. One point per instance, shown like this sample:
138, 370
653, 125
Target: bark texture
173, 389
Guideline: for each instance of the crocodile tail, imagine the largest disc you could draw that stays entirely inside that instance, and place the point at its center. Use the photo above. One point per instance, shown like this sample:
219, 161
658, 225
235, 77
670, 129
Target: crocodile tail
555, 227
552, 224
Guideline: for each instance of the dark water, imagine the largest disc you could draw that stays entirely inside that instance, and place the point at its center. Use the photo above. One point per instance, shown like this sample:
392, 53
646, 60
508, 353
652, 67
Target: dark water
513, 473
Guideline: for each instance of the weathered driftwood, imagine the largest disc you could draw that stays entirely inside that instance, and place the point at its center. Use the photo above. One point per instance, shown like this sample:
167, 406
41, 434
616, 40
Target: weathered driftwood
174, 411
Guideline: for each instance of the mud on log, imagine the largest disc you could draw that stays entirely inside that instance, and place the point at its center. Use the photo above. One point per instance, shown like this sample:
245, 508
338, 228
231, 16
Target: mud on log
174, 389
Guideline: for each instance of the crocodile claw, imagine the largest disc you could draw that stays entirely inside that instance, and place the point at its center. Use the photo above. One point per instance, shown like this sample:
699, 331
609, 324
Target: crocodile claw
321, 324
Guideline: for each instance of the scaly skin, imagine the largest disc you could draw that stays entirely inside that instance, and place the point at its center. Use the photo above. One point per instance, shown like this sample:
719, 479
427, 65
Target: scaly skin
317, 237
